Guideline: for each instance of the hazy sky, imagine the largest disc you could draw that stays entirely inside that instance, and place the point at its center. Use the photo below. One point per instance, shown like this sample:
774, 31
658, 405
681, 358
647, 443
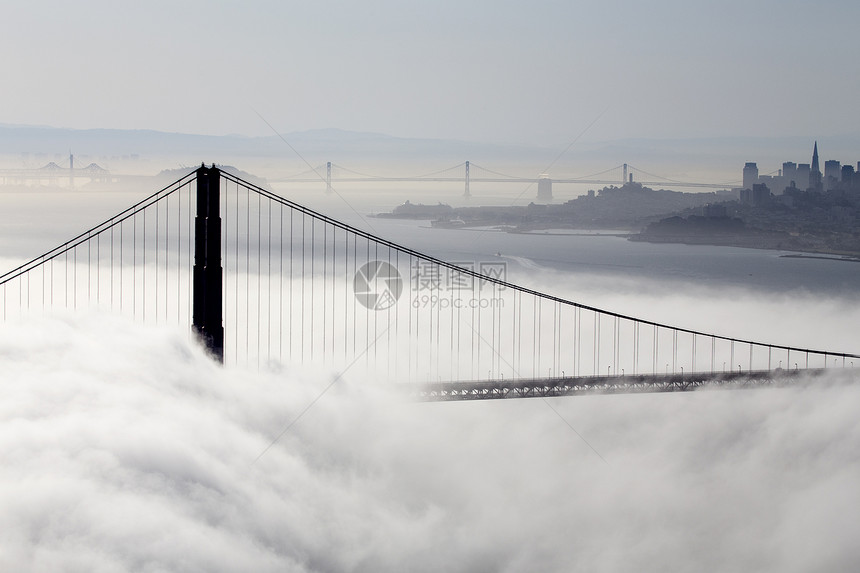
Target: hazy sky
496, 71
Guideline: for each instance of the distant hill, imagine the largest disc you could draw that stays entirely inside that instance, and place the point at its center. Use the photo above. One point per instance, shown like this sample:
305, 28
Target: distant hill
630, 206
326, 143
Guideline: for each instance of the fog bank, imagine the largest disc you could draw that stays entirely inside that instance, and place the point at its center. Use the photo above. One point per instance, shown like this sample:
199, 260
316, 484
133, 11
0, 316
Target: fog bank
124, 448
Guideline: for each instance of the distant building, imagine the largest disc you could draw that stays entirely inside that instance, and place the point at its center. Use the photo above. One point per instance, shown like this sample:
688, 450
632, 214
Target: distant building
832, 173
789, 171
847, 174
803, 172
750, 175
772, 181
757, 196
815, 173
761, 194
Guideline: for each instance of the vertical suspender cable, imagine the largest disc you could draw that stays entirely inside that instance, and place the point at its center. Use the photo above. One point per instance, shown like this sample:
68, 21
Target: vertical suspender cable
143, 290
259, 272
247, 276
237, 270
312, 293
269, 283
345, 294
290, 325
281, 283
325, 291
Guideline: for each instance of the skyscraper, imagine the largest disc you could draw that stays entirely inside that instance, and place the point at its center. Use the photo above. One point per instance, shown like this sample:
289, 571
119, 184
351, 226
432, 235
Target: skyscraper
803, 176
815, 172
815, 158
832, 173
789, 171
750, 175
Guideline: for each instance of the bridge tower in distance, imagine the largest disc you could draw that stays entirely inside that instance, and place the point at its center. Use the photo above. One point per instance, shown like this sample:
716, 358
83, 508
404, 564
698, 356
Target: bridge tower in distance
328, 177
544, 187
467, 193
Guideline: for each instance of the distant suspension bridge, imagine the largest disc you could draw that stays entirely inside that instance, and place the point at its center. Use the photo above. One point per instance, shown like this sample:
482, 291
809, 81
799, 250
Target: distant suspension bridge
464, 173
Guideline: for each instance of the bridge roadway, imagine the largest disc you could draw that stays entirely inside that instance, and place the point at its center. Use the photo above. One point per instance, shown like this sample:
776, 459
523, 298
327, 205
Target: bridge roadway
495, 180
54, 173
584, 385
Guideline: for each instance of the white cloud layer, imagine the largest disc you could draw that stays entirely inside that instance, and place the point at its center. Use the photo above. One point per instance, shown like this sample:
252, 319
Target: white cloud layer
124, 449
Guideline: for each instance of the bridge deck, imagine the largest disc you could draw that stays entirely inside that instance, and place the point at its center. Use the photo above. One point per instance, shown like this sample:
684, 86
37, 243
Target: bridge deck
521, 180
577, 386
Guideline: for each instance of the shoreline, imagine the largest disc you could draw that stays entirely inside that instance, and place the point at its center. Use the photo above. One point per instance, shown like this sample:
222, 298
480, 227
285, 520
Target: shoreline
553, 233
794, 252
845, 258
751, 242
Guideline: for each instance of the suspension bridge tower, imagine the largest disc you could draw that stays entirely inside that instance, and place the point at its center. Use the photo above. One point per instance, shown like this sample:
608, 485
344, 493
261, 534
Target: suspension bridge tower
544, 187
207, 320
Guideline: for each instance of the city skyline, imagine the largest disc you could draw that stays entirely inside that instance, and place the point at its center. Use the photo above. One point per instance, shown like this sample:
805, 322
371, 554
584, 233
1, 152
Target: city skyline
803, 175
